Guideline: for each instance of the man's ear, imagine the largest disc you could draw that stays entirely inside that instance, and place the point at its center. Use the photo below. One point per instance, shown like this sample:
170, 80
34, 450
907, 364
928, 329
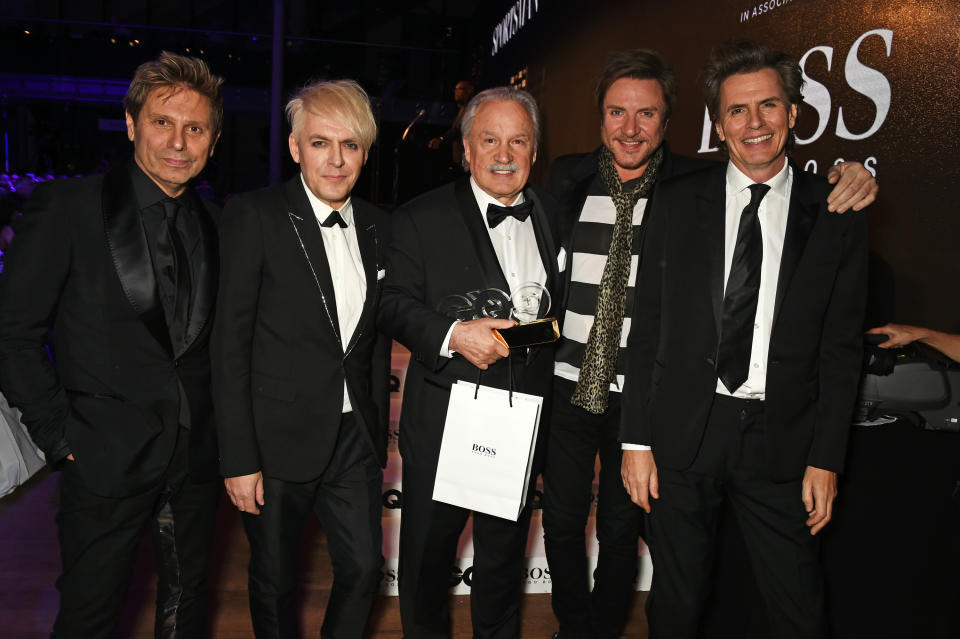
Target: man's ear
213, 145
719, 130
466, 149
131, 126
294, 148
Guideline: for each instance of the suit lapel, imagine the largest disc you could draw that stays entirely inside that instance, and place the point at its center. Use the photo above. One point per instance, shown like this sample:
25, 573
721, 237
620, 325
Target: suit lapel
476, 228
369, 254
131, 255
548, 249
310, 242
711, 215
800, 219
205, 287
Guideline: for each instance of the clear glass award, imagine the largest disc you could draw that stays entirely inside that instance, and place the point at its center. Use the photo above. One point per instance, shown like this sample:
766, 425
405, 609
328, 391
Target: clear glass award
528, 306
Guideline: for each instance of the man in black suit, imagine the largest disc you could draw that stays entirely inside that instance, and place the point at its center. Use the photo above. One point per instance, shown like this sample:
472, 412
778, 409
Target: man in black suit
300, 371
482, 232
635, 95
122, 268
744, 356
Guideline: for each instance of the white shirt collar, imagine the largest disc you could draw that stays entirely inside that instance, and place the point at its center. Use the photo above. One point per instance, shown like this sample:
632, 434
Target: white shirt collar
321, 209
483, 198
737, 180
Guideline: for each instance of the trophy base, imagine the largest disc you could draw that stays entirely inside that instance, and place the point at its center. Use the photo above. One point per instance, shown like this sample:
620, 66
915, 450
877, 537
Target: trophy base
541, 331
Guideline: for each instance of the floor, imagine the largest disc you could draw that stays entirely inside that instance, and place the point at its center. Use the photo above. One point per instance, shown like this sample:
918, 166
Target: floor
29, 563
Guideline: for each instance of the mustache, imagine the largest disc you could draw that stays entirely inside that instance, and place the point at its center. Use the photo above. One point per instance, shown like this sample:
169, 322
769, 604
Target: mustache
513, 167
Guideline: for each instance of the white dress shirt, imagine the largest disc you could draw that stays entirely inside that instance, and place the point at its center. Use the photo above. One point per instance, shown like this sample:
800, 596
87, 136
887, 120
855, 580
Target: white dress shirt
515, 244
346, 270
773, 227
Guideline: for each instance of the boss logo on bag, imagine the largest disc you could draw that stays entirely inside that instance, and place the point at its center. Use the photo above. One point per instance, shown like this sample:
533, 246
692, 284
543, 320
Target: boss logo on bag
486, 451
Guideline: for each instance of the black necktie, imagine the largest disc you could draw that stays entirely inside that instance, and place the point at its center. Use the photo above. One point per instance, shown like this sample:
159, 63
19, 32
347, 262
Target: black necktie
334, 219
174, 275
497, 214
740, 300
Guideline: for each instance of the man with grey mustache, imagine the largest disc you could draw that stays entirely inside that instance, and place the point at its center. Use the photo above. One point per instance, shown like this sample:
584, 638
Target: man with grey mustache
486, 231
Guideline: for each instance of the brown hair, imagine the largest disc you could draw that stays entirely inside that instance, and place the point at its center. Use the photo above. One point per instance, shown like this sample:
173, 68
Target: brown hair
744, 56
638, 64
178, 72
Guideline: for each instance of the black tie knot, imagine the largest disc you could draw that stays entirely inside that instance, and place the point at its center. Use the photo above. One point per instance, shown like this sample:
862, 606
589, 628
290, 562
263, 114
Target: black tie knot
170, 209
334, 219
757, 191
497, 213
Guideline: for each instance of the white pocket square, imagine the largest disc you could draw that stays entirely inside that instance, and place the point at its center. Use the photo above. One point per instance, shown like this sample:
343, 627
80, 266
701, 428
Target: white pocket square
382, 273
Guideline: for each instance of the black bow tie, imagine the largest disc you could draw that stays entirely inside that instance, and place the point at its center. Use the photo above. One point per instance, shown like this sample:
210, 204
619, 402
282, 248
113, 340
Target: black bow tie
497, 214
334, 219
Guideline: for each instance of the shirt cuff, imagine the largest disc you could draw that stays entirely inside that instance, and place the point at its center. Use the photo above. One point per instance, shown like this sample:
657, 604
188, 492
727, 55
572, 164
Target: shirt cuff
445, 347
626, 446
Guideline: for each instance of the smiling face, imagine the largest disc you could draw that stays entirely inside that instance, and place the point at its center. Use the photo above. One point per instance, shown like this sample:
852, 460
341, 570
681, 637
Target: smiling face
172, 137
330, 157
755, 119
633, 125
500, 149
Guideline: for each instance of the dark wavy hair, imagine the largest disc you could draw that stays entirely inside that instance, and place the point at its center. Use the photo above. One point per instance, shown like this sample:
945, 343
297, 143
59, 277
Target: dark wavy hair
744, 56
638, 64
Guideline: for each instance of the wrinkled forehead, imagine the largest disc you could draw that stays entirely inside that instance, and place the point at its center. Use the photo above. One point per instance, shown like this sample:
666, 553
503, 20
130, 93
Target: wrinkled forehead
507, 115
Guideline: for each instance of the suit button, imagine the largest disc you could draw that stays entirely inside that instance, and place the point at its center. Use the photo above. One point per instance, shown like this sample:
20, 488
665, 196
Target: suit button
711, 362
176, 363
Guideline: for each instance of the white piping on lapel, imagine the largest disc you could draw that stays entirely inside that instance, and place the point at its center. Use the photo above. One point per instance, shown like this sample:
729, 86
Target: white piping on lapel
323, 298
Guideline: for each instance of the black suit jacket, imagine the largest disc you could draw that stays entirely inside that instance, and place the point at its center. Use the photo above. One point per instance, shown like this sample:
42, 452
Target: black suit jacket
569, 180
814, 357
279, 365
81, 266
441, 247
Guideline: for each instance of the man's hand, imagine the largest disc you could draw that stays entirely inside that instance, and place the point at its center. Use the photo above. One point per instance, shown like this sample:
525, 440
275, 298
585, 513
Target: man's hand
899, 334
639, 473
475, 341
856, 187
246, 492
819, 491
70, 457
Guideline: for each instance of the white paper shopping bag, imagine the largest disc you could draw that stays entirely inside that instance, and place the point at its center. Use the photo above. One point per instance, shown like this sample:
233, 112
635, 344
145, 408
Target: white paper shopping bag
487, 449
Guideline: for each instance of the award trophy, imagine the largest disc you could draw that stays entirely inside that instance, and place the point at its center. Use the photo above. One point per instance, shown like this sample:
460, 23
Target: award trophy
527, 304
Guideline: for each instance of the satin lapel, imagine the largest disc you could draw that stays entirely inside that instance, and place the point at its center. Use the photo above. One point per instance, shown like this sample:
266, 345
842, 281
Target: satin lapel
547, 247
711, 215
370, 256
800, 219
131, 255
205, 289
492, 273
310, 241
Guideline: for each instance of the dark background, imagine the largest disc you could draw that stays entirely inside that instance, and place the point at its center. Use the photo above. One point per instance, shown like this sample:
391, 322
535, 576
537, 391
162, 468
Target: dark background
61, 85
